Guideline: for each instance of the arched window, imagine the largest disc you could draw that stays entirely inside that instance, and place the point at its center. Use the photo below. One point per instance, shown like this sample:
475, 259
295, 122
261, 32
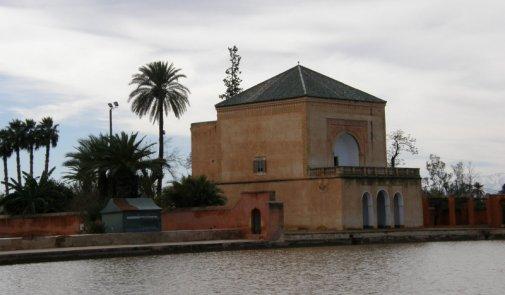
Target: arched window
398, 210
382, 209
367, 210
346, 151
256, 221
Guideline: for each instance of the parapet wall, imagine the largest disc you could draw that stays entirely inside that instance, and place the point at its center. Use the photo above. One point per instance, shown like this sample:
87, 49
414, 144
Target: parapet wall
66, 223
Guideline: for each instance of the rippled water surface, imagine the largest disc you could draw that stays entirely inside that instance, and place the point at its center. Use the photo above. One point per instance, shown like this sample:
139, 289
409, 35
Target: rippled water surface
476, 267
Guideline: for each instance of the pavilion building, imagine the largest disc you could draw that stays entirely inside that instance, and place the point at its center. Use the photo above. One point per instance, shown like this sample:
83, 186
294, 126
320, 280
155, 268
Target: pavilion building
319, 144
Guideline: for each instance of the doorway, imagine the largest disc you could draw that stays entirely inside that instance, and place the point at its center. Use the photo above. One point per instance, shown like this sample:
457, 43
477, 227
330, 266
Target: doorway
256, 221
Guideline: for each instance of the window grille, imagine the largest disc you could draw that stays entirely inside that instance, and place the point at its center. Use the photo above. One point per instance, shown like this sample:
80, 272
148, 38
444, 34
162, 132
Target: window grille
260, 165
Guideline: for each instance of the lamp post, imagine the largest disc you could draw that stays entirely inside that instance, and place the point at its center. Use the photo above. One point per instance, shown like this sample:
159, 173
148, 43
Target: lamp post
112, 106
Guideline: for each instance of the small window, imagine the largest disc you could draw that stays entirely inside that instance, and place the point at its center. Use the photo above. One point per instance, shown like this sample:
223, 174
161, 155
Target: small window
260, 165
335, 161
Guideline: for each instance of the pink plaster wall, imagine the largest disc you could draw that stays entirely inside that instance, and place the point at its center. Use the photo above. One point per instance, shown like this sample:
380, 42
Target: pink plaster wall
67, 223
238, 216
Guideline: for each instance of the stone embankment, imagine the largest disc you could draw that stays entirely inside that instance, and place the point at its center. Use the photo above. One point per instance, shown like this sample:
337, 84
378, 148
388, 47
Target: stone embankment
304, 238
23, 250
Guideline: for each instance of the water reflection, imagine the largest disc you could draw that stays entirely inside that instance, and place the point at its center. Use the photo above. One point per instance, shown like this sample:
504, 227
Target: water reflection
422, 268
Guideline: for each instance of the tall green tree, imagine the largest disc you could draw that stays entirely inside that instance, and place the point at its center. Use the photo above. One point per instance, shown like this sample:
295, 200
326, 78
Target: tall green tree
17, 137
464, 180
31, 140
438, 182
232, 80
48, 137
5, 153
159, 92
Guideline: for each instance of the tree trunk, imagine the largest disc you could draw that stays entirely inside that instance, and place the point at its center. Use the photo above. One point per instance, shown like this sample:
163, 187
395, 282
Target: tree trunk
31, 160
6, 176
18, 164
126, 185
160, 172
46, 164
102, 185
393, 158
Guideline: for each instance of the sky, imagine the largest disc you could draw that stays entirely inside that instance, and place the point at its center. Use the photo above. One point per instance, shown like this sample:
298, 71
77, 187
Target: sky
439, 64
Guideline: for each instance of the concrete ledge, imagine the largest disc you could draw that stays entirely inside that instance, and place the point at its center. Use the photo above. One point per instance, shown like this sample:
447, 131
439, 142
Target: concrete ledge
76, 253
292, 239
4, 216
90, 240
393, 236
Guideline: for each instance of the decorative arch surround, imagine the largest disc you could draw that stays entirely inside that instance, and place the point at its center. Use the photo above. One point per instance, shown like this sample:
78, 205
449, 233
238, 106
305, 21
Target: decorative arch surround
346, 150
398, 210
356, 128
383, 209
367, 210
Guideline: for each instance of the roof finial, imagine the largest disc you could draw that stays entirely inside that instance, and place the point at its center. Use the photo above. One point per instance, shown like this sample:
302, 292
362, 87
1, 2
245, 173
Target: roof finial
298, 62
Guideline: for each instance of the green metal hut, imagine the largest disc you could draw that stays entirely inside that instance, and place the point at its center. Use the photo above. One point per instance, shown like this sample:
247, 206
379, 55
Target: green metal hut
131, 215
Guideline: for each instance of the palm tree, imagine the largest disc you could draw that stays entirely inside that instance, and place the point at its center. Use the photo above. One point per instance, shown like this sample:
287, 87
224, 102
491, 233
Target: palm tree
125, 157
49, 135
17, 137
5, 153
120, 157
83, 167
31, 140
157, 93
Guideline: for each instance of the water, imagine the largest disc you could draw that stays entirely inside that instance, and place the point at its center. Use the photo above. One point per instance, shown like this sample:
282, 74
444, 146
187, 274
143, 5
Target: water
476, 267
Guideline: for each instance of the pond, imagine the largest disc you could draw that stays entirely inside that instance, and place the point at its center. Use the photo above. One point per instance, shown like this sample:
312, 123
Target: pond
417, 268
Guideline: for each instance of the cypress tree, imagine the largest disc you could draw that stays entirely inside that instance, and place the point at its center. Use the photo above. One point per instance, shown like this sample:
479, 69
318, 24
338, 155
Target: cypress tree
232, 80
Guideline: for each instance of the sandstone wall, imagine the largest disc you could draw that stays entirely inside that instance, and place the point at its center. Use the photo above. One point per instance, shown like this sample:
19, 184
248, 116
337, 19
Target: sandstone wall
309, 204
271, 130
205, 152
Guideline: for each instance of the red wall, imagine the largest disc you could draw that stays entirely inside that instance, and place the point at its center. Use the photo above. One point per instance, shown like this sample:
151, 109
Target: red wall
467, 214
218, 217
67, 223
495, 210
238, 216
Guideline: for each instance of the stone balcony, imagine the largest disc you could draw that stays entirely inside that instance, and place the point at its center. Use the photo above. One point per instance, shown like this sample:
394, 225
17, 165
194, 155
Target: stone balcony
367, 172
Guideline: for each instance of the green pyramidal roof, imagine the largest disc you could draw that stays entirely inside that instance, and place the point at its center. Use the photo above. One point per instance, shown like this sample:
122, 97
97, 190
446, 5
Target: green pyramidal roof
296, 82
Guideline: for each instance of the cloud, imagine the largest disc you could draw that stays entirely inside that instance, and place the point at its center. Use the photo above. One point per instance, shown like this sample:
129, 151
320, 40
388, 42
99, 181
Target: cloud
439, 64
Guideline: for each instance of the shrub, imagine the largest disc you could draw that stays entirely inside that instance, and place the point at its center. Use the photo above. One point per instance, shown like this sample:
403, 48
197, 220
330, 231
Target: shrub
37, 195
89, 205
191, 192
480, 204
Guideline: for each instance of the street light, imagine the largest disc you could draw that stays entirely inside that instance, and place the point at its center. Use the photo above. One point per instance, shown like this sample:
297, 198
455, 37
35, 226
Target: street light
111, 107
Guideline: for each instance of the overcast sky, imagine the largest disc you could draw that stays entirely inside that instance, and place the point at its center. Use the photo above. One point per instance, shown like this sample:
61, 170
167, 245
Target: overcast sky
439, 64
